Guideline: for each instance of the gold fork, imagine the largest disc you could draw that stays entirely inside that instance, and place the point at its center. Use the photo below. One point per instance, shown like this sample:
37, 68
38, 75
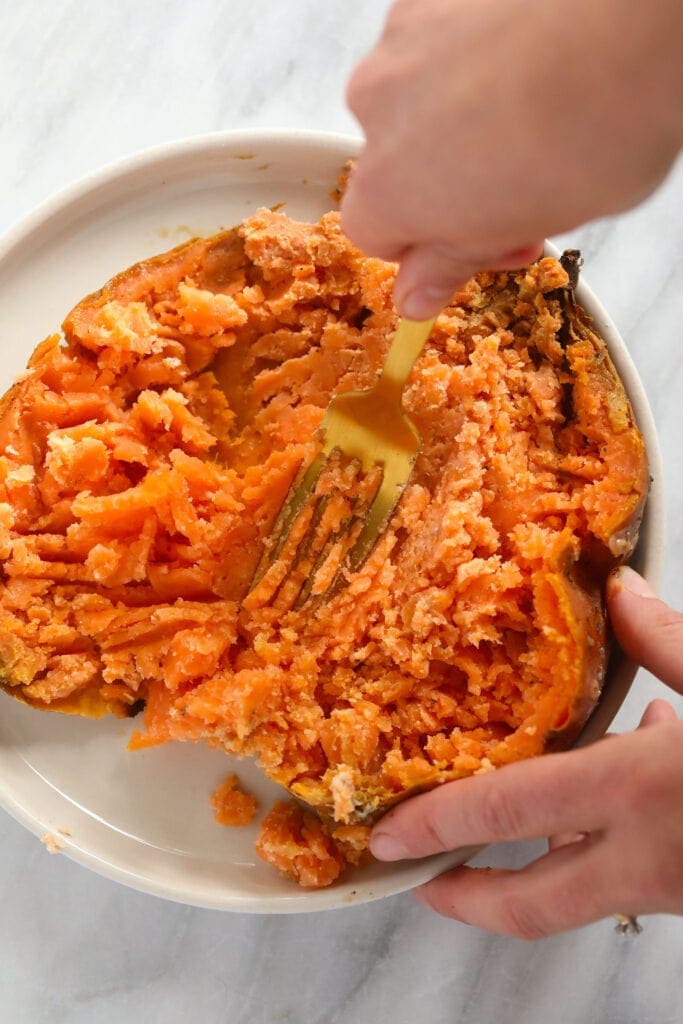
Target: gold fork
371, 428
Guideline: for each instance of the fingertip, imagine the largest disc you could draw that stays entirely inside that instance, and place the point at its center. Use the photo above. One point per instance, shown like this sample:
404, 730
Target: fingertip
519, 257
384, 846
624, 578
422, 303
646, 628
624, 592
614, 584
441, 894
428, 277
657, 711
421, 896
430, 274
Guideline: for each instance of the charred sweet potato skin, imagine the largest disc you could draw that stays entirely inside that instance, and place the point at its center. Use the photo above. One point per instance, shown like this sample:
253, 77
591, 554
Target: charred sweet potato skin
144, 457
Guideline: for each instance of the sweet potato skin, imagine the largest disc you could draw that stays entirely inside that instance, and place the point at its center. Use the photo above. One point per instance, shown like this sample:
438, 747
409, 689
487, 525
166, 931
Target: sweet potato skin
184, 397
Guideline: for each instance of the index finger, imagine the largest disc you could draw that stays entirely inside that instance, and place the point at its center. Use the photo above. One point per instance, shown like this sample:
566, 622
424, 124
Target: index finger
528, 800
366, 216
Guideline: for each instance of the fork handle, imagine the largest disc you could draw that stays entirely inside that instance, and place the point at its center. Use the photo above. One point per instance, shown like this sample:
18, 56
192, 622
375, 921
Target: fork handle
409, 340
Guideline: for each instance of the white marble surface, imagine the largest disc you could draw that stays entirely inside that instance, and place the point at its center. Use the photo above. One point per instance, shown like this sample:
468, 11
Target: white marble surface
84, 83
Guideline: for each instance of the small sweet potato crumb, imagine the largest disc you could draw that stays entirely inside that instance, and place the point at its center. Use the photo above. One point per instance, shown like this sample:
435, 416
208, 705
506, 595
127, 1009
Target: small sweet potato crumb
353, 842
231, 805
51, 843
298, 844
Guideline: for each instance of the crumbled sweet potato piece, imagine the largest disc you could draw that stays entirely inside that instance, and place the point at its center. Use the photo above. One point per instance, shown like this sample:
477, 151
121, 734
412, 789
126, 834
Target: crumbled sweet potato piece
231, 805
296, 843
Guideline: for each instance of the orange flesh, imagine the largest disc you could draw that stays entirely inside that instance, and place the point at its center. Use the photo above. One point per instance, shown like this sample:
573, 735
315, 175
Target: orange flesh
231, 805
136, 492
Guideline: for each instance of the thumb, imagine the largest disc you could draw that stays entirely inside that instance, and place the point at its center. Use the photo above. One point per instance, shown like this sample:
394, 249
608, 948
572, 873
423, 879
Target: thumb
648, 630
657, 711
430, 273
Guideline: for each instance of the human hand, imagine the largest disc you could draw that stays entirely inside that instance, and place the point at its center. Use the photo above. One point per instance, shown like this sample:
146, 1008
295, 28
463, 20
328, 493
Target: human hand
614, 809
490, 125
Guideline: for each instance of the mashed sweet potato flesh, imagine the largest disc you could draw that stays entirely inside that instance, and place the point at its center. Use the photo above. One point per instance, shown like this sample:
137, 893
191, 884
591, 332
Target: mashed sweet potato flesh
146, 454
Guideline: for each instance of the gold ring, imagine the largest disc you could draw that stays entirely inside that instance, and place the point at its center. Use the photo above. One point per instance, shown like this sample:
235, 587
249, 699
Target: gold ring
627, 925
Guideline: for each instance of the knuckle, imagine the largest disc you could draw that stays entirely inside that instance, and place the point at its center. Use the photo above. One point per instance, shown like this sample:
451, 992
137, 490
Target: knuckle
366, 213
646, 791
449, 264
522, 920
640, 793
354, 225
646, 887
670, 622
626, 793
434, 836
362, 87
360, 184
624, 796
667, 627
649, 879
497, 815
354, 203
400, 10
662, 888
374, 89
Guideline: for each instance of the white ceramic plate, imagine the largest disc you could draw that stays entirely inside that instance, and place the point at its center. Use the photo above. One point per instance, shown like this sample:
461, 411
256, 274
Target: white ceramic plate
144, 818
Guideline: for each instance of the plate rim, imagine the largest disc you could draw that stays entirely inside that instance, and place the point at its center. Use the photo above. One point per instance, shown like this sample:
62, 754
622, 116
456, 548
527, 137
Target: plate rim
57, 201
306, 901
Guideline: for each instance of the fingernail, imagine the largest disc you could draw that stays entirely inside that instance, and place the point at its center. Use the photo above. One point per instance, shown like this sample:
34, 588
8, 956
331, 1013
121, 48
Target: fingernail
386, 847
634, 583
420, 896
422, 303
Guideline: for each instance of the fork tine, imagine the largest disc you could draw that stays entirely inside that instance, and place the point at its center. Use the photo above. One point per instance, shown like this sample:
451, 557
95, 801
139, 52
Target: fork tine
386, 499
335, 537
275, 583
290, 586
340, 532
298, 495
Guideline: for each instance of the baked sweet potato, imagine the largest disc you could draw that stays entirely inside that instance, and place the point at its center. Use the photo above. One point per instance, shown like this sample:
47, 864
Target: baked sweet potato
145, 457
